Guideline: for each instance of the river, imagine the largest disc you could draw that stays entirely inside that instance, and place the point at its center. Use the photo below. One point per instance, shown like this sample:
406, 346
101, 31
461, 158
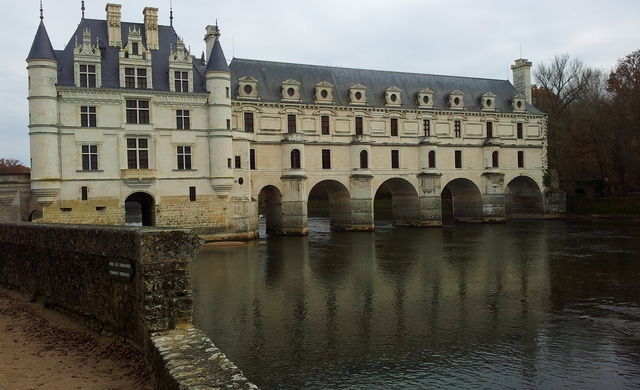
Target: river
521, 305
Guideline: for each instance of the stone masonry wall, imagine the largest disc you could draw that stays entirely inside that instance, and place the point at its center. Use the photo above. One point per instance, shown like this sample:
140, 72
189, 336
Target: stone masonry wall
68, 267
208, 213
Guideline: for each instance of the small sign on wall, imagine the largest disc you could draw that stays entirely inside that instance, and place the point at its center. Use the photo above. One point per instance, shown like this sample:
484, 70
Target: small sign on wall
120, 269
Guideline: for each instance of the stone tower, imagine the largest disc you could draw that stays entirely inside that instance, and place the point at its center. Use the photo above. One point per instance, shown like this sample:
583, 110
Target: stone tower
42, 68
522, 77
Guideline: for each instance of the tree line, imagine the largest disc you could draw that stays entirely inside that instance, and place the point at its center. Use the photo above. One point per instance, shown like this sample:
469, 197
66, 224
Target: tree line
593, 127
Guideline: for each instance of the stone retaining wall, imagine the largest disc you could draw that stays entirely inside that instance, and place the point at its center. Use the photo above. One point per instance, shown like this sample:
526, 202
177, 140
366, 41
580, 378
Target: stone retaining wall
71, 267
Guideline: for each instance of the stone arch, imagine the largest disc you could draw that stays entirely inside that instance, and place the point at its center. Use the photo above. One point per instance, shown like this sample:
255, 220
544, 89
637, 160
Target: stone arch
339, 203
140, 209
461, 201
405, 205
270, 208
523, 198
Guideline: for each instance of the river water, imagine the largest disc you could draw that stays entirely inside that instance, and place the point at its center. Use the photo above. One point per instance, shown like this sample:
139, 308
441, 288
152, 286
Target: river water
521, 305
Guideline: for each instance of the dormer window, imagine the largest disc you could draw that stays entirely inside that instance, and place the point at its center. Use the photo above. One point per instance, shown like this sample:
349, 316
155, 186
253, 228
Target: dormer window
488, 101
135, 78
247, 88
358, 94
323, 92
456, 99
291, 91
135, 63
518, 103
180, 69
88, 76
425, 98
87, 63
392, 97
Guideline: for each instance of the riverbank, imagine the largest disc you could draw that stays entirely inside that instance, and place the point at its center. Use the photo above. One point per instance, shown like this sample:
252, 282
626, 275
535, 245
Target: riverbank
44, 349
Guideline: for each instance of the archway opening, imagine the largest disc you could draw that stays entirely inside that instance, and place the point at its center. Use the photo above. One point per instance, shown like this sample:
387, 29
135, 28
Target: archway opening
140, 209
331, 198
397, 199
523, 199
270, 209
461, 202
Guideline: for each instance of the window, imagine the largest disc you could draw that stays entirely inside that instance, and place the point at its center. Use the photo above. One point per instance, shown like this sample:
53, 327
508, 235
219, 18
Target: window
494, 159
489, 129
192, 194
295, 159
326, 159
324, 122
426, 125
364, 160
184, 157
88, 116
519, 130
395, 159
520, 159
359, 126
248, 122
182, 119
135, 78
252, 159
291, 123
134, 48
228, 124
394, 126
137, 111
458, 158
456, 129
84, 191
88, 76
137, 153
237, 162
89, 157
432, 159
181, 82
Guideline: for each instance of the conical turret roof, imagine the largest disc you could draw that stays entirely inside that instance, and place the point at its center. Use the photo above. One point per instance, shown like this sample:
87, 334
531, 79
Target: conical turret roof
217, 61
41, 47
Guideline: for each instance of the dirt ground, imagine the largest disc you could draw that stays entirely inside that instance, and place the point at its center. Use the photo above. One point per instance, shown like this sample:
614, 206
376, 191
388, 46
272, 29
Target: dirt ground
41, 348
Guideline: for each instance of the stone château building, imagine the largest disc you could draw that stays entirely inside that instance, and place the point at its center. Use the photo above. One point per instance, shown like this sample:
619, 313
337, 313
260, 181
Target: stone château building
127, 126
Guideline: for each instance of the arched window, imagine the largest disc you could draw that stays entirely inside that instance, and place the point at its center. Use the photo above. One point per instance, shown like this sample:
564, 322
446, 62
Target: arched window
432, 159
494, 159
364, 160
295, 159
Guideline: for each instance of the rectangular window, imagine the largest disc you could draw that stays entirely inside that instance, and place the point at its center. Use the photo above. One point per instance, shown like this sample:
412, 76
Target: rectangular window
137, 153
291, 123
135, 78
426, 125
324, 124
88, 76
326, 159
134, 48
192, 194
88, 116
489, 129
394, 126
395, 159
238, 162
182, 119
252, 159
181, 81
184, 157
228, 124
248, 122
519, 130
85, 192
456, 129
458, 158
89, 157
137, 111
359, 126
520, 159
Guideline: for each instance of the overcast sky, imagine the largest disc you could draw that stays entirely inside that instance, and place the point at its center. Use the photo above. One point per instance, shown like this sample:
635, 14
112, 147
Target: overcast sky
463, 37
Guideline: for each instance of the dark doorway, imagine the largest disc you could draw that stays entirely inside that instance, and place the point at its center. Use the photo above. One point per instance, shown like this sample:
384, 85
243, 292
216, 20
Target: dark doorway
140, 209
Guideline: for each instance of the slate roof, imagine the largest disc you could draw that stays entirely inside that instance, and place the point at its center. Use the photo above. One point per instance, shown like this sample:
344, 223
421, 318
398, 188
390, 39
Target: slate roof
270, 76
41, 47
110, 69
217, 60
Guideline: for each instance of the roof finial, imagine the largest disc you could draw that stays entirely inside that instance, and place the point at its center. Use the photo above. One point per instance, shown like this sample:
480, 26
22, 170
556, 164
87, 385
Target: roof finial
171, 14
82, 8
41, 13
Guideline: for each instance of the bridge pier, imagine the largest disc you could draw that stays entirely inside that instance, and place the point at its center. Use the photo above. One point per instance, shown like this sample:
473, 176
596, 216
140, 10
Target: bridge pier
493, 199
430, 211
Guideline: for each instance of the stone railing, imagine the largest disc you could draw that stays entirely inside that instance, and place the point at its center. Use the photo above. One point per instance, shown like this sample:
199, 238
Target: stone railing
130, 283
293, 137
361, 139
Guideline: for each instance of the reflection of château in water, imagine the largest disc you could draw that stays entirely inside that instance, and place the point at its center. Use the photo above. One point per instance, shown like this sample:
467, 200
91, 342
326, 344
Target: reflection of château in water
125, 114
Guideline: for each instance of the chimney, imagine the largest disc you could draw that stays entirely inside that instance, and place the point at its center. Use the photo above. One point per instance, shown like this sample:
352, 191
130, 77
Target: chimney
213, 33
151, 27
113, 24
522, 77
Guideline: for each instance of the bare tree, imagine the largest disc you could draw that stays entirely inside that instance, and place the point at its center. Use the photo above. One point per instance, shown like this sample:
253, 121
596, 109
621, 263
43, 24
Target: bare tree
11, 165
